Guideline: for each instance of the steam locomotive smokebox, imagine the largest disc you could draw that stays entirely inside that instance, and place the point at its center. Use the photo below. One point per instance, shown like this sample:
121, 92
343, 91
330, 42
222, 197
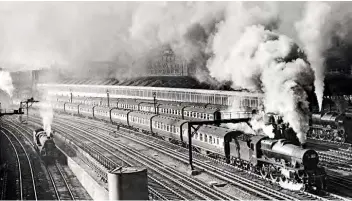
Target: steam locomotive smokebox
128, 183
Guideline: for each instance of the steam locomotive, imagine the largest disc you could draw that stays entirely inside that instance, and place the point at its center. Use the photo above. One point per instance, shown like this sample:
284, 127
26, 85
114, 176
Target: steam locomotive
277, 159
331, 126
44, 144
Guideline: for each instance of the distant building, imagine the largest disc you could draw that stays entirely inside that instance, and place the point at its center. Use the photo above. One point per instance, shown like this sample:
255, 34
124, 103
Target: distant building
166, 63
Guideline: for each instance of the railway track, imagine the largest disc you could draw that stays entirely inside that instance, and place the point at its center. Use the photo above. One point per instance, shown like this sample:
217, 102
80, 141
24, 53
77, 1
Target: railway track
228, 175
26, 184
188, 187
59, 181
336, 159
233, 179
156, 187
3, 183
60, 186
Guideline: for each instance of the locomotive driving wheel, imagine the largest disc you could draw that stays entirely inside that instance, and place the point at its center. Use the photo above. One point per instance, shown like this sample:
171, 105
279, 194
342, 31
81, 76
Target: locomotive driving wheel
329, 135
274, 173
340, 136
321, 134
264, 171
313, 133
301, 176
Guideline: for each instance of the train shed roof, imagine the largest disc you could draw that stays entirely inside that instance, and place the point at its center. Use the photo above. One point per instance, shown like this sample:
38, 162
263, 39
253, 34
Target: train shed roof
151, 81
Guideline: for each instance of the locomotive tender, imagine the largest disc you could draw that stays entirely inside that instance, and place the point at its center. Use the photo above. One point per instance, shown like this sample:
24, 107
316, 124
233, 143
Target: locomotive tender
279, 160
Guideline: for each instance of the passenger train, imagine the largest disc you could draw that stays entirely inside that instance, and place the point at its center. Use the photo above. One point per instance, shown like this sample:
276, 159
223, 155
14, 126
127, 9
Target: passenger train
188, 111
277, 159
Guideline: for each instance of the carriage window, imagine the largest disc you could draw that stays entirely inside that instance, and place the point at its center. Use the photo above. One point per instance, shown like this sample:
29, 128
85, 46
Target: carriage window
201, 137
177, 130
167, 128
217, 141
205, 138
210, 139
195, 135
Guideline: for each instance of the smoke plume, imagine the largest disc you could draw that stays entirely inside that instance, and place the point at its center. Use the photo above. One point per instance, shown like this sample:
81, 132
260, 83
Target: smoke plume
6, 82
47, 114
248, 52
312, 32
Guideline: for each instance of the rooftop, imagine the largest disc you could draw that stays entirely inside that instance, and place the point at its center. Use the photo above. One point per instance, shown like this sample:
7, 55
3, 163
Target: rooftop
152, 81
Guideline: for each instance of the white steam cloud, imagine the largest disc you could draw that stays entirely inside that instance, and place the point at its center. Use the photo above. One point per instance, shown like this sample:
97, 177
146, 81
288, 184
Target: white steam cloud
250, 55
47, 114
312, 33
6, 82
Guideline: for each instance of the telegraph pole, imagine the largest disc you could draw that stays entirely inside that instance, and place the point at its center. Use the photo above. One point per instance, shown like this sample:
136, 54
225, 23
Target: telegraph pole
107, 94
71, 95
154, 99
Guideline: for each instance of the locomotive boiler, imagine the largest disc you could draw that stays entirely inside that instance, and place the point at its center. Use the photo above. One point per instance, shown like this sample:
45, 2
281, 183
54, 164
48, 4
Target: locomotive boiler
279, 160
331, 126
44, 144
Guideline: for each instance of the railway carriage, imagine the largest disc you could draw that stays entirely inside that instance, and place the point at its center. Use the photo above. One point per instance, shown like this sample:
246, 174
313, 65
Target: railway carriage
167, 127
101, 112
71, 108
128, 104
201, 113
79, 100
63, 98
208, 139
85, 110
119, 116
59, 106
149, 107
140, 120
171, 110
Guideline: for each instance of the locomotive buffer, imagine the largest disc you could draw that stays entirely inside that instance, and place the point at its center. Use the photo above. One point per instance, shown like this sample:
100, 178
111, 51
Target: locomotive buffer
198, 124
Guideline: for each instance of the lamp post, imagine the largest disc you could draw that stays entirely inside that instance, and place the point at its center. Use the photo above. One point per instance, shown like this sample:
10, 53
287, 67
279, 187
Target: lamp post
71, 95
154, 99
107, 94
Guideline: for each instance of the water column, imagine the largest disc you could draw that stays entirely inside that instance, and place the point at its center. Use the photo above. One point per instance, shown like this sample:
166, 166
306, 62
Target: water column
128, 183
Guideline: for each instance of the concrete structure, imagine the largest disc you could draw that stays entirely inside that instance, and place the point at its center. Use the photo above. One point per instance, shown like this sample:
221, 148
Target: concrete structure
128, 183
86, 176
